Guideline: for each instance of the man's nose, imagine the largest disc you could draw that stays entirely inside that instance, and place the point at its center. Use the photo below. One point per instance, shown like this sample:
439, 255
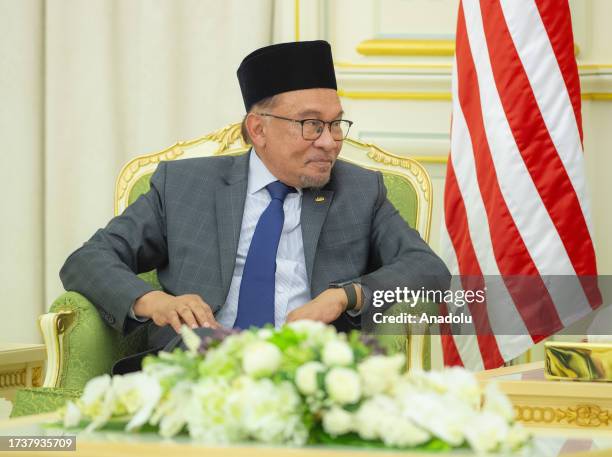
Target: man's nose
326, 141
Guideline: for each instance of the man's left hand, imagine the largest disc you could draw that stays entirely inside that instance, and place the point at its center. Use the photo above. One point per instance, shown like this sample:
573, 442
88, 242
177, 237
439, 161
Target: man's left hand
326, 307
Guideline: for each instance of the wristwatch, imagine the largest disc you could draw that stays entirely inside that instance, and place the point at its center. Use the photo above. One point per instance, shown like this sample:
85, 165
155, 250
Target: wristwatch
349, 290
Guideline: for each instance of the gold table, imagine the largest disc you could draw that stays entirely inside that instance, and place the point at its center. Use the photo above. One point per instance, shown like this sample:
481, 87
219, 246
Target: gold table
21, 365
554, 404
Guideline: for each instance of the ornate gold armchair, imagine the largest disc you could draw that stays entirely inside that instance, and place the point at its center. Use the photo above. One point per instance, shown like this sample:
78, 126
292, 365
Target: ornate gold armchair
81, 346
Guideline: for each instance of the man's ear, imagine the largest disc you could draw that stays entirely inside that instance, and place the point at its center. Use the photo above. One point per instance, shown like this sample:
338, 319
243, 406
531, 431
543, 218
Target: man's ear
255, 127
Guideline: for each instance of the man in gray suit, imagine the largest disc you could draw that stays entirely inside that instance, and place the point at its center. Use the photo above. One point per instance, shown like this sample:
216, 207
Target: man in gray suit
285, 232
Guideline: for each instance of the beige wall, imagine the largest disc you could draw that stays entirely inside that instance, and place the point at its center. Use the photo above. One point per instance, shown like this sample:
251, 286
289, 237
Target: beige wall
21, 170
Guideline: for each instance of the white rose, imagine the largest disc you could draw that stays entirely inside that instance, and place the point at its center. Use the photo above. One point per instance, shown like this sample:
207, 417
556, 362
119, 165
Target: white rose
457, 382
172, 413
306, 377
486, 432
343, 385
137, 394
463, 384
337, 353
261, 359
380, 373
72, 415
369, 416
268, 412
97, 401
317, 333
95, 390
209, 417
399, 431
337, 421
307, 326
517, 437
264, 333
496, 402
442, 415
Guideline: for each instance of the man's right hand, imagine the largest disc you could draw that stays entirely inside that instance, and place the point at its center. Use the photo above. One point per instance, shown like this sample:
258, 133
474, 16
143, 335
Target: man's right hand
165, 309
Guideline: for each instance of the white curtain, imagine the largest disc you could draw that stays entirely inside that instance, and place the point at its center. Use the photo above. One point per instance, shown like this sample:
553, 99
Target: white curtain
85, 86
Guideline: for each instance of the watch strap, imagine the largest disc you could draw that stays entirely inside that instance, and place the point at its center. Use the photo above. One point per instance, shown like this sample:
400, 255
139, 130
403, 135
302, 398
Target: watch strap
351, 294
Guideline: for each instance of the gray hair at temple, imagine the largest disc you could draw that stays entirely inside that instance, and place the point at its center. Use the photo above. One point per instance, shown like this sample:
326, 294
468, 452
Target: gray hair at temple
265, 104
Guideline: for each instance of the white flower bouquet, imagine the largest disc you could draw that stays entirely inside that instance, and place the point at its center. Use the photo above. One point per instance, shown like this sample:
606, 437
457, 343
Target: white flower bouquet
302, 384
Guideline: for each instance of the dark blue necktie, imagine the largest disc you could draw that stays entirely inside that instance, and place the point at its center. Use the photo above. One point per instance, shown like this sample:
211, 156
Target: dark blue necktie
256, 299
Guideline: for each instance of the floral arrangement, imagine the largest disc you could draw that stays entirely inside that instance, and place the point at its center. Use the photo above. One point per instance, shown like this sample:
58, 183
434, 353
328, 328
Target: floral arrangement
301, 384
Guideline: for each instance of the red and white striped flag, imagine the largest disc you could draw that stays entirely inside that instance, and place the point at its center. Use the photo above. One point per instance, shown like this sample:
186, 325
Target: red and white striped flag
515, 200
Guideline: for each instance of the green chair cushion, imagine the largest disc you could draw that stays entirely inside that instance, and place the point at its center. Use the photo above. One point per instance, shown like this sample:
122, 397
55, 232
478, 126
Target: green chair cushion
37, 400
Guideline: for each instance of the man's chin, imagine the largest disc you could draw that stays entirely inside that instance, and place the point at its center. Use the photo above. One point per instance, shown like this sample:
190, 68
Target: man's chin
317, 181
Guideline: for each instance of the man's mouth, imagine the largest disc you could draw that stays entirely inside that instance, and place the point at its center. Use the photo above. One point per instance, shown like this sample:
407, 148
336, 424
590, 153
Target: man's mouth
319, 161
320, 165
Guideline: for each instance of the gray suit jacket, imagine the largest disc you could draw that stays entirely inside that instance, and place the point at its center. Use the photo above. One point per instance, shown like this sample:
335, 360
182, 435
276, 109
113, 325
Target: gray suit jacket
187, 227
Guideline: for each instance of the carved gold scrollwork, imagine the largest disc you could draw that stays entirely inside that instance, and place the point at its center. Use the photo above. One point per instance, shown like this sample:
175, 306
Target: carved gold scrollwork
579, 415
128, 173
409, 165
224, 137
37, 377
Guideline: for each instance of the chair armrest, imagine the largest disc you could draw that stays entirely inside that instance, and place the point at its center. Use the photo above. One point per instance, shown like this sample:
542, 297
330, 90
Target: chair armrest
52, 326
80, 345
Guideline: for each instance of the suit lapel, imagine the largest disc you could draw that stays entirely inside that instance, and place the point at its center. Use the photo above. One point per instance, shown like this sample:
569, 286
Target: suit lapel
315, 204
229, 205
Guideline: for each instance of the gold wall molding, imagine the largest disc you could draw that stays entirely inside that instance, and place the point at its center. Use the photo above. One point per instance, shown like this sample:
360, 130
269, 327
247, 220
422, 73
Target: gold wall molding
392, 66
382, 95
404, 47
398, 47
296, 19
595, 66
597, 96
439, 66
438, 96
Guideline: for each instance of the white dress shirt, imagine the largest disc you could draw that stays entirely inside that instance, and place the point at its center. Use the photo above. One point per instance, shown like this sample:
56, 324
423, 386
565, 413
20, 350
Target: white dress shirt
291, 280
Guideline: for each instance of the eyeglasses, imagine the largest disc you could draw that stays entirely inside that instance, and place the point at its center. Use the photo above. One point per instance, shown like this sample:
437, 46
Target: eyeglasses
312, 129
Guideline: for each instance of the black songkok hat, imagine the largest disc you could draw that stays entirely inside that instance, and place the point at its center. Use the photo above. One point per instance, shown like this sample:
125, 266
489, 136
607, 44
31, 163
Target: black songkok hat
285, 67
